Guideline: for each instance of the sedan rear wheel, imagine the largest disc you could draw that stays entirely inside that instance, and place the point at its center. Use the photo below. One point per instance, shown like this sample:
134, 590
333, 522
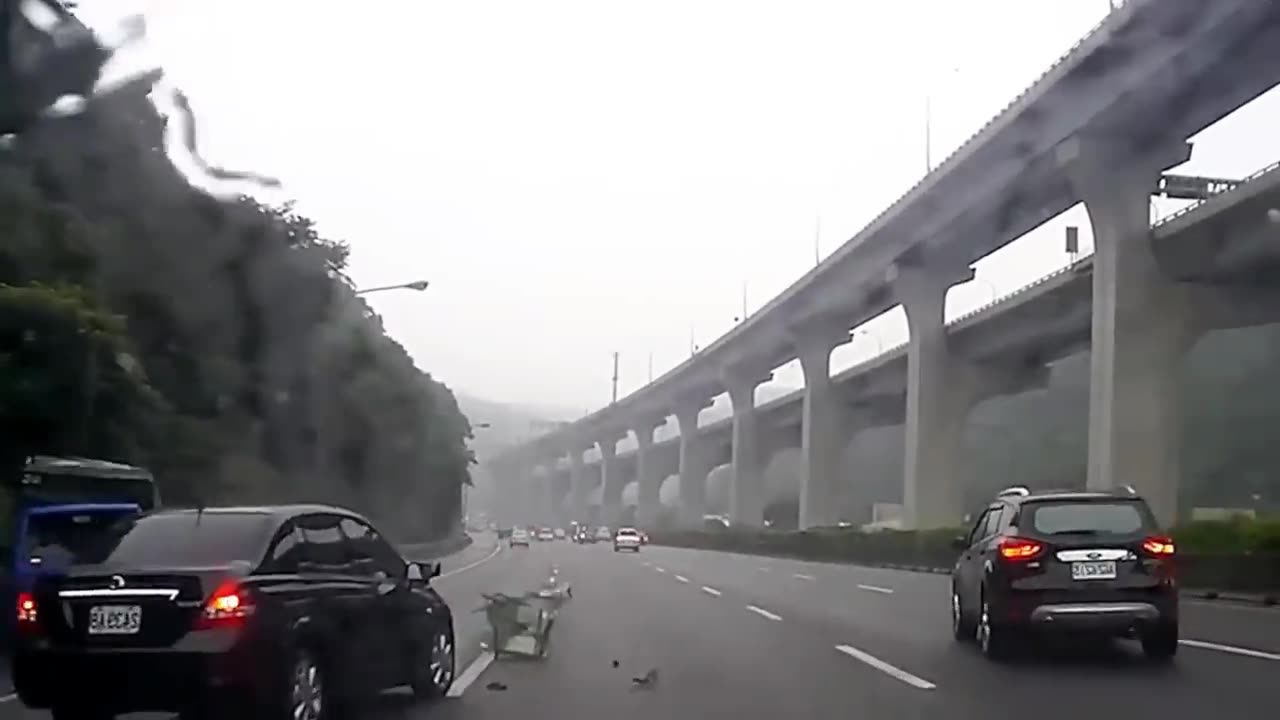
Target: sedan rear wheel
307, 691
433, 675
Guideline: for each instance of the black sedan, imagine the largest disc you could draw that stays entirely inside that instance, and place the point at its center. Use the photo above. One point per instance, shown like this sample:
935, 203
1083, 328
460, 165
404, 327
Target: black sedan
288, 611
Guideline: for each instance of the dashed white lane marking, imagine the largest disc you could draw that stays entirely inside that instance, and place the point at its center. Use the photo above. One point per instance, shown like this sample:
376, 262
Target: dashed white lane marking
682, 578
877, 588
497, 549
1230, 649
661, 570
7, 698
764, 613
763, 569
646, 563
710, 591
468, 676
886, 668
802, 576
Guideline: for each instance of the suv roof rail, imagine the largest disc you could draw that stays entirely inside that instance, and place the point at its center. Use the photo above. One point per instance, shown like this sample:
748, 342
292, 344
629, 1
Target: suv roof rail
1015, 491
1127, 490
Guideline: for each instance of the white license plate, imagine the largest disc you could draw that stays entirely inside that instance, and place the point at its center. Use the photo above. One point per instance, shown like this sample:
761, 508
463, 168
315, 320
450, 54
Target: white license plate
1094, 570
115, 619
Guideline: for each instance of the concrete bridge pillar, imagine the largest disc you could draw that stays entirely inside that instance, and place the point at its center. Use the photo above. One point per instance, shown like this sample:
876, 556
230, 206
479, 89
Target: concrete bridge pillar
1143, 322
648, 480
936, 399
821, 440
543, 492
693, 473
610, 480
578, 484
746, 499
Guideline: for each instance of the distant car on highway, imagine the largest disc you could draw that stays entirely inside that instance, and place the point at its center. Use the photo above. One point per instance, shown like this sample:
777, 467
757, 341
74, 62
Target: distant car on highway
627, 539
1092, 563
519, 537
603, 534
559, 534
546, 535
247, 609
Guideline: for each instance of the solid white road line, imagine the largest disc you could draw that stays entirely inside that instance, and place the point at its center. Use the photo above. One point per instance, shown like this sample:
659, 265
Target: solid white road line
468, 676
7, 698
764, 613
710, 591
497, 549
1230, 649
802, 576
877, 588
682, 578
661, 570
886, 668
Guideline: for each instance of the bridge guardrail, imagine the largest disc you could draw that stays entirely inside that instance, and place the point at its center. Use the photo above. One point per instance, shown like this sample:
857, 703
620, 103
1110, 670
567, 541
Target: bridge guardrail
1251, 576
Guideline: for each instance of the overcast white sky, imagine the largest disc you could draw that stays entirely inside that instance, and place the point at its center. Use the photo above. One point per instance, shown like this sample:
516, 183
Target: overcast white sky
578, 177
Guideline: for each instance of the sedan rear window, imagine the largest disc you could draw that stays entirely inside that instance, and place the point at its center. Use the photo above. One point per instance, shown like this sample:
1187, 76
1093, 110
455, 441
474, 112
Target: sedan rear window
184, 539
1089, 518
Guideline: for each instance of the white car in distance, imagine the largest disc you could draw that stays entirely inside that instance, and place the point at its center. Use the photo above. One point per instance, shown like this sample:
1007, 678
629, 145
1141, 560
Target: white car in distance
627, 539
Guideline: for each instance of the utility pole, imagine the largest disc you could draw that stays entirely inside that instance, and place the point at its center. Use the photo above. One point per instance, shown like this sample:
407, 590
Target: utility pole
817, 237
615, 377
928, 133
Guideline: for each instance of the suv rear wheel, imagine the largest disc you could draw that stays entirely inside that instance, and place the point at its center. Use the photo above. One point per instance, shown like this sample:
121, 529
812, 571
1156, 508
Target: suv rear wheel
1160, 642
961, 628
995, 640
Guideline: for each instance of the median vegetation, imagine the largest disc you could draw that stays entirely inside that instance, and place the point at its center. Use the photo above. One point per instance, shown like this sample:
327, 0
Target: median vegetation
1239, 555
218, 342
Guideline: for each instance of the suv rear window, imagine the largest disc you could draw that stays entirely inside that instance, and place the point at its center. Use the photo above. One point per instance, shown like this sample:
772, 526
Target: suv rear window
1089, 517
181, 539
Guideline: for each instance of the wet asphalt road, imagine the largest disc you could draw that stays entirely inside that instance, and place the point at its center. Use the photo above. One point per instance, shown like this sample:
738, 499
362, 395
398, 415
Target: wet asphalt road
733, 635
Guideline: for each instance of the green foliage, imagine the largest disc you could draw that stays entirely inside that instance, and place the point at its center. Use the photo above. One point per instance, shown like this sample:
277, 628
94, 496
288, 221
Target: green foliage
67, 380
252, 371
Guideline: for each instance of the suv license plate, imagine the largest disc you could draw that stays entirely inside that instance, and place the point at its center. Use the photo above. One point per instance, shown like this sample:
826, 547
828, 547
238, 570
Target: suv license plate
115, 619
1096, 570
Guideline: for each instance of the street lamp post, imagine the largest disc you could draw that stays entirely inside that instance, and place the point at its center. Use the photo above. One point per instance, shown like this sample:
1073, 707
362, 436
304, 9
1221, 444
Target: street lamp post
418, 285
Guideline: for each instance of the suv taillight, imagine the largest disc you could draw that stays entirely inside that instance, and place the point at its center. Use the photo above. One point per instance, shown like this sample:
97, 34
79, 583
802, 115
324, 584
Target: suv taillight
1158, 545
1017, 549
28, 618
229, 604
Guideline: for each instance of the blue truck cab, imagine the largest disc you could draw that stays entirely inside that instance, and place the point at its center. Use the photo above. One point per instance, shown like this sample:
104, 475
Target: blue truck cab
56, 504
49, 535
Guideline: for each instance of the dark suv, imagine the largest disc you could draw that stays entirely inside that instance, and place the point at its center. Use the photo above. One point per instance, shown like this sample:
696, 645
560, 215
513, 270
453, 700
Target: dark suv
290, 611
1078, 562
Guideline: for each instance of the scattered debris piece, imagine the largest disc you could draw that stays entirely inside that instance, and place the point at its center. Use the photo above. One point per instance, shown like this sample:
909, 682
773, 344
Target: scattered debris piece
495, 685
647, 680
